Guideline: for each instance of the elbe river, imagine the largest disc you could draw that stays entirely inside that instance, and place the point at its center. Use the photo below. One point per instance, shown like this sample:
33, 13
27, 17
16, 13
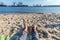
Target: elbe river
29, 9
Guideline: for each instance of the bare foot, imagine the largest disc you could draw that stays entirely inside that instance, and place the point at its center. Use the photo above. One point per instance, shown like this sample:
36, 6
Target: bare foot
35, 27
25, 25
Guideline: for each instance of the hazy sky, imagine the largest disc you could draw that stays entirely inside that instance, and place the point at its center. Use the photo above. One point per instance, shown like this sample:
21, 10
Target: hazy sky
31, 2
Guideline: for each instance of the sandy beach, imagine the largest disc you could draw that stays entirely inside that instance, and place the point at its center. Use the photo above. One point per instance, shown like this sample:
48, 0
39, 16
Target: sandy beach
48, 24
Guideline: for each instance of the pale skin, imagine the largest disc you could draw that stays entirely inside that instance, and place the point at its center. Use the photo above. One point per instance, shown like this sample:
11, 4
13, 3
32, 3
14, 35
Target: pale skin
29, 30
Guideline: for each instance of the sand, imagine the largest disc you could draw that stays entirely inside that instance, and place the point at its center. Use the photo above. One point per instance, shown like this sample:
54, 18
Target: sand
48, 24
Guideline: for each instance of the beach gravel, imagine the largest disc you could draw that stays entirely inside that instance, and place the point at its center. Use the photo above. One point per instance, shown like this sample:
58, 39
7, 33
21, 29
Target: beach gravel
48, 24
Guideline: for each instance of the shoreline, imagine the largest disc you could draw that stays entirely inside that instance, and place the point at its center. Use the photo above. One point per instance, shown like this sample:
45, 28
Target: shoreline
32, 13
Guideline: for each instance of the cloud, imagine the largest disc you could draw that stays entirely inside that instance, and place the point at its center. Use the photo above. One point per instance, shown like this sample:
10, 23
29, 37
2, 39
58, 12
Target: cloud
51, 2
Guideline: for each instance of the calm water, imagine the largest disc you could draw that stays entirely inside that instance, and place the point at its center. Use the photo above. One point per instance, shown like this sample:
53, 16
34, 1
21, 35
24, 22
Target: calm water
29, 9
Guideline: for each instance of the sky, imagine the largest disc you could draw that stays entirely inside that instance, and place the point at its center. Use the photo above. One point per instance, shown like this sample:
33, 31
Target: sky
33, 2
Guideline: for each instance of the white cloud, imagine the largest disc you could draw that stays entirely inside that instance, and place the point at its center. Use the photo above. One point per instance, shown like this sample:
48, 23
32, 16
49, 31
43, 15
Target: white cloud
51, 2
